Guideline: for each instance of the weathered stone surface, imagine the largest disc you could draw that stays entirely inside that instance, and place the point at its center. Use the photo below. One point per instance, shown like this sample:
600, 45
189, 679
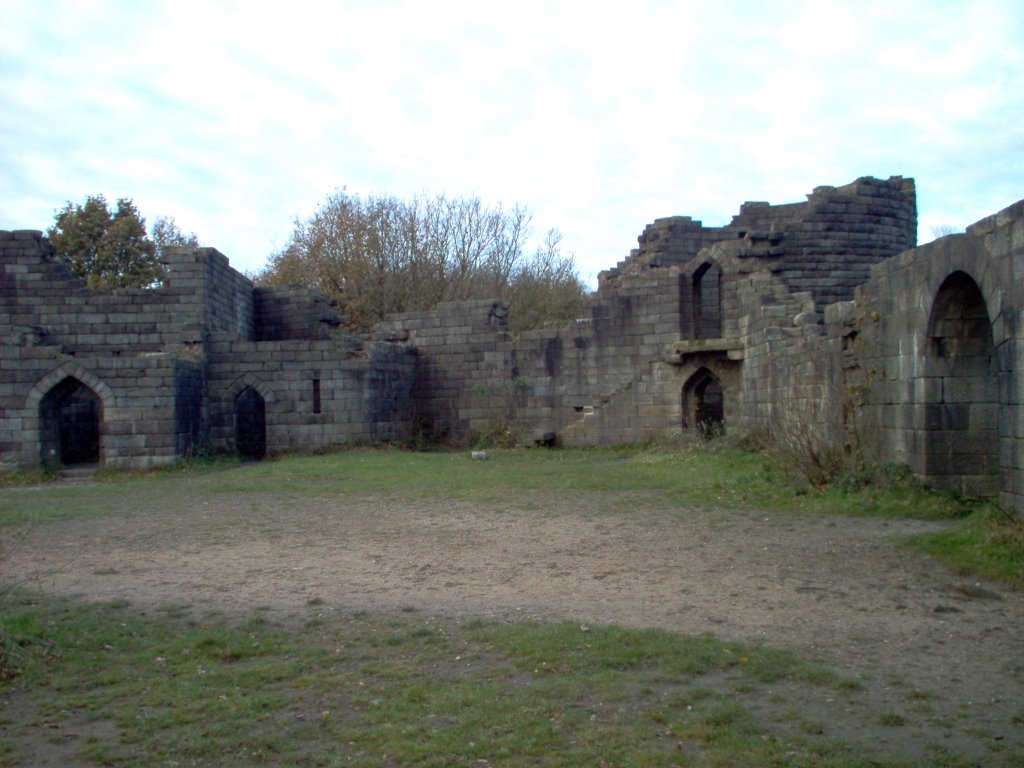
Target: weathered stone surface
814, 322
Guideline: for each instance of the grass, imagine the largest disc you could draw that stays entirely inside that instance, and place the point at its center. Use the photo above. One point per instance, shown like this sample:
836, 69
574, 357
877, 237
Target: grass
107, 685
607, 480
114, 687
731, 479
987, 543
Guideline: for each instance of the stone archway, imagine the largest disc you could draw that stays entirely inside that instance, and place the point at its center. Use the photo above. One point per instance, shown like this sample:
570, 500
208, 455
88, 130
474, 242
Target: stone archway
704, 404
962, 406
250, 424
70, 415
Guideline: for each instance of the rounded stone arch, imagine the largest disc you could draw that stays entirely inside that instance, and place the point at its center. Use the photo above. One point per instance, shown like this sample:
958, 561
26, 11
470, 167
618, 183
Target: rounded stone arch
65, 411
965, 256
961, 414
704, 403
248, 397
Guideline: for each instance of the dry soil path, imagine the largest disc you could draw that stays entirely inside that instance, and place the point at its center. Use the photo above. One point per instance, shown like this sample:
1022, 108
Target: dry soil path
840, 589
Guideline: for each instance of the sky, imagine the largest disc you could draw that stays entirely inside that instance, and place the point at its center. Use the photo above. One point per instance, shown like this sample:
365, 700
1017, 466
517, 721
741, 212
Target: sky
238, 118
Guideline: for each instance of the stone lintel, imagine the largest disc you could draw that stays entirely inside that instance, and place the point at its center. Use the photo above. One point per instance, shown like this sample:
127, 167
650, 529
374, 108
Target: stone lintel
677, 352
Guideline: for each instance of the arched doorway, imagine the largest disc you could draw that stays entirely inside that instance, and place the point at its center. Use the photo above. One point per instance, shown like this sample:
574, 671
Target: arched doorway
704, 404
70, 415
962, 409
250, 424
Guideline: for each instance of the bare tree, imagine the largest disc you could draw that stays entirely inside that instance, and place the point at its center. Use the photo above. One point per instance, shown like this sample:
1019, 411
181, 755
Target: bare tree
379, 255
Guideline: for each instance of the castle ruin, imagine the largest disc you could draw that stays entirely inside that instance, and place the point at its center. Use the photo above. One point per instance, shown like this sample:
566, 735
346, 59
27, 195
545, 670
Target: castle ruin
816, 323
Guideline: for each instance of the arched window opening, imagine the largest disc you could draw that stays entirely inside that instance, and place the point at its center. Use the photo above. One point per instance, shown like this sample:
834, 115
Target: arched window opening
70, 415
250, 424
707, 302
962, 410
704, 404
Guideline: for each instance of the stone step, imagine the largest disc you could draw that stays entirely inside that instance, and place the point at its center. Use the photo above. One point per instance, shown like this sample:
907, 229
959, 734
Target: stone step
78, 473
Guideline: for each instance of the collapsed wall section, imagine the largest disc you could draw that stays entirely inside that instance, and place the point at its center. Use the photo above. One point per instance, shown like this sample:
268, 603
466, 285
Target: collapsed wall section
570, 375
670, 241
293, 312
824, 246
828, 245
44, 304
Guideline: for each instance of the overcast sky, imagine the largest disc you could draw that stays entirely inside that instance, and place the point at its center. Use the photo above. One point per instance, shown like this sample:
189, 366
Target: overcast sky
237, 117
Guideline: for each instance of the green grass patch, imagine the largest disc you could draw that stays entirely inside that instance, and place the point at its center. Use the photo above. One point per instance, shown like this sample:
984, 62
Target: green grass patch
15, 478
119, 688
612, 480
123, 689
988, 543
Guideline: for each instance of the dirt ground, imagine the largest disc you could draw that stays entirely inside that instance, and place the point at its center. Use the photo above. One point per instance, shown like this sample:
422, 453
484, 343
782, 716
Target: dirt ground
945, 652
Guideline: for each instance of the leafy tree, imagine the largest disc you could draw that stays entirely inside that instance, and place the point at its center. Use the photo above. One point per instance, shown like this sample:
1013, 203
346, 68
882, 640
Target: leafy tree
165, 233
379, 255
108, 250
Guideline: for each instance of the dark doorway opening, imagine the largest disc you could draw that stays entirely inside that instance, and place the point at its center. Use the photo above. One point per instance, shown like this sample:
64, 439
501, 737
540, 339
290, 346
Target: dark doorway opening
709, 408
250, 424
704, 404
70, 416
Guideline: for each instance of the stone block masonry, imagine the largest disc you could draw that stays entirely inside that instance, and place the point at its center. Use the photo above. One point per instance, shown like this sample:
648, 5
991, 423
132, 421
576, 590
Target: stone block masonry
161, 370
817, 324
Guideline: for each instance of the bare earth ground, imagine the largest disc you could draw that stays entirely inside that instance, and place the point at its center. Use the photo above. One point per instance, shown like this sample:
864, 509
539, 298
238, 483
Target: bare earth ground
945, 652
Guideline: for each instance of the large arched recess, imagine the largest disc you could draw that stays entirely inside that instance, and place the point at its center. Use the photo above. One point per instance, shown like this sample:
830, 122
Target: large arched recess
70, 417
961, 428
704, 404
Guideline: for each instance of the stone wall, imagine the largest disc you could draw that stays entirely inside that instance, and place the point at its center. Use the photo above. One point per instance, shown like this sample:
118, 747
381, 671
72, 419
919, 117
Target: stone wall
123, 346
816, 325
212, 295
292, 312
464, 374
939, 337
829, 250
316, 393
702, 301
146, 376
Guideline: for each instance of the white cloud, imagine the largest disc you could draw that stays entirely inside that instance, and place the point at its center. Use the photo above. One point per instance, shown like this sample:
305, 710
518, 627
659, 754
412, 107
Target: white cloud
236, 118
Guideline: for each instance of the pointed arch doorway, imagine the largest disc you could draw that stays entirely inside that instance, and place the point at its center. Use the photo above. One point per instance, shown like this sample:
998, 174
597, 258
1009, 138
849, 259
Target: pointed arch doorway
704, 404
70, 415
